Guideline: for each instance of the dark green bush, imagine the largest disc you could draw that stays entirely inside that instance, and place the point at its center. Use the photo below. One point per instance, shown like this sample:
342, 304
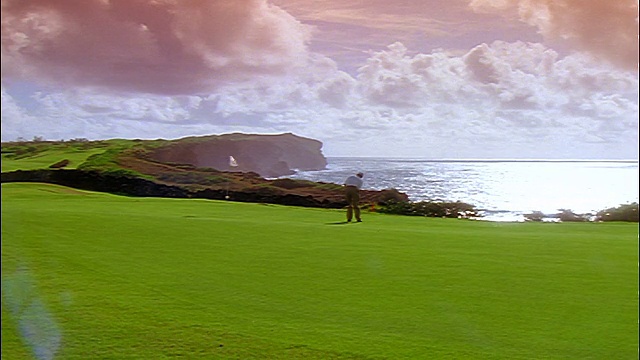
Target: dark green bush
567, 215
327, 186
391, 196
119, 172
430, 209
290, 183
534, 216
627, 212
264, 190
192, 178
60, 164
20, 151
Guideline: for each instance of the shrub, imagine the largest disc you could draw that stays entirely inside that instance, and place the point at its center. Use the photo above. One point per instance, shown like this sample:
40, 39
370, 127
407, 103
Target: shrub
119, 172
534, 216
290, 183
60, 164
391, 196
567, 215
264, 190
21, 151
430, 209
250, 175
327, 186
192, 178
627, 212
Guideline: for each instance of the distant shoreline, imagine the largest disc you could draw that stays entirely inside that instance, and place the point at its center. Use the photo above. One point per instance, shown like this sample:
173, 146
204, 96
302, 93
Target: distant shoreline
370, 158
499, 187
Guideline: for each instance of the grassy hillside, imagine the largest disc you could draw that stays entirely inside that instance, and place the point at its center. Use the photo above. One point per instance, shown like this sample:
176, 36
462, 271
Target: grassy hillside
110, 165
41, 155
96, 275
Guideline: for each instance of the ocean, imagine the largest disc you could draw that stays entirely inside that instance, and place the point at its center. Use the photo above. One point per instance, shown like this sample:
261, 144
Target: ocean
501, 190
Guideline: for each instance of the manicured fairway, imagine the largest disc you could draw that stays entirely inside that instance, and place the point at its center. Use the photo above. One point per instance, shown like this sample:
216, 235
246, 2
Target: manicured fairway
90, 275
47, 158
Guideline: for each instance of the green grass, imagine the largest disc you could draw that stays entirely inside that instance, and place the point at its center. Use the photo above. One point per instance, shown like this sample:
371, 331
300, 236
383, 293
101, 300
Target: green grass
40, 155
42, 160
93, 275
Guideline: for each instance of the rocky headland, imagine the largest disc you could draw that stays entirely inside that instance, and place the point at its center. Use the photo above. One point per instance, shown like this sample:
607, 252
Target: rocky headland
269, 156
198, 167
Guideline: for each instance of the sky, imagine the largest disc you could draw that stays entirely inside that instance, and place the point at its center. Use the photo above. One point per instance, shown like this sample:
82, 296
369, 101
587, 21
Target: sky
456, 79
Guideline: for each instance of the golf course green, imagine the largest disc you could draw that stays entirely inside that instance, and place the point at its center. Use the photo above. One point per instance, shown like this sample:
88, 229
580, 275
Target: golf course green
89, 275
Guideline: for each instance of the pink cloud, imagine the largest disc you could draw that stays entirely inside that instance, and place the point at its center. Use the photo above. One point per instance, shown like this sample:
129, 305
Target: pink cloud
166, 47
605, 28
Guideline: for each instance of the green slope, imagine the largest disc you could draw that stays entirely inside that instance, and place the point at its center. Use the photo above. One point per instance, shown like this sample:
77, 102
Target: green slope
45, 159
34, 156
96, 275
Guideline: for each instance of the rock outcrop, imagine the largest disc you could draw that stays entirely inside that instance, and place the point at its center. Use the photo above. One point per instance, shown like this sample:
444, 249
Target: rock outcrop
269, 156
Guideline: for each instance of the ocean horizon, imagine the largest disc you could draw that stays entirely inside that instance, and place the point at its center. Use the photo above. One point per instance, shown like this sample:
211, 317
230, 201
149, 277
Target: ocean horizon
400, 158
501, 189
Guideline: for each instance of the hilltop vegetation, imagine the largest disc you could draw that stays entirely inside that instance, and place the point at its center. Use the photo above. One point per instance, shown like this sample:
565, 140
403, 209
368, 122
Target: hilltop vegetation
132, 167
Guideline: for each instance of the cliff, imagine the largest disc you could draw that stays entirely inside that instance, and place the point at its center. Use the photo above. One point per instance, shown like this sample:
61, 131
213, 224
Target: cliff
267, 155
195, 167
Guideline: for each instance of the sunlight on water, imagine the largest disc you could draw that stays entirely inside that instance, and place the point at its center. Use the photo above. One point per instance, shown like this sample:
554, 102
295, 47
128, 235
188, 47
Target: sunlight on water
505, 189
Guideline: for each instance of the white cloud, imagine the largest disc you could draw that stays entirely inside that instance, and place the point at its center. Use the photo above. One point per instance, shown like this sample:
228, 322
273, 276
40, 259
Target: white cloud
159, 47
497, 100
606, 29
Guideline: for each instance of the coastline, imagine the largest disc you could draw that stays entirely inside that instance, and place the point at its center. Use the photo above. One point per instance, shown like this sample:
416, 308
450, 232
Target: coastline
411, 159
501, 189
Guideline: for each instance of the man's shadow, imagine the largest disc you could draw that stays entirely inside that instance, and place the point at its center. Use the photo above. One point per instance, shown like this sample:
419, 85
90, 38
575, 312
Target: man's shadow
338, 223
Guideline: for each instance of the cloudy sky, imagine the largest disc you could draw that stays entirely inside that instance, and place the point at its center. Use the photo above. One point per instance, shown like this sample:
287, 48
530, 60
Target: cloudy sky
431, 79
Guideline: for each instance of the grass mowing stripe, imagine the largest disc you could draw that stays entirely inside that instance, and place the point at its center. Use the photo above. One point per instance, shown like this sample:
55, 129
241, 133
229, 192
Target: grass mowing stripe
47, 158
163, 277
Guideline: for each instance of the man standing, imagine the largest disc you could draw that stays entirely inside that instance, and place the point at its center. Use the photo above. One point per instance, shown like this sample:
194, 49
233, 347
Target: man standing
352, 193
